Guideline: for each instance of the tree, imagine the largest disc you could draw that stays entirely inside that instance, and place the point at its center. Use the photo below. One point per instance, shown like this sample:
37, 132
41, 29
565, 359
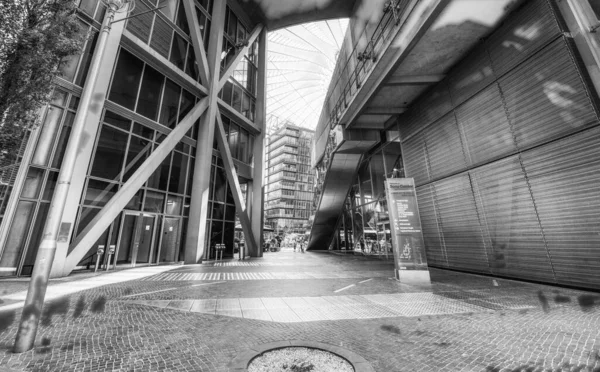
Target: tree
38, 36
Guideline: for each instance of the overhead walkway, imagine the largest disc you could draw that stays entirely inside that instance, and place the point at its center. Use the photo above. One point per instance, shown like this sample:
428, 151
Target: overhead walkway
379, 73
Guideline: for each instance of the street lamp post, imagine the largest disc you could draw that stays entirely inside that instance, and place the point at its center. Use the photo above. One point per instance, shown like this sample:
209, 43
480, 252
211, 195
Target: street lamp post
34, 302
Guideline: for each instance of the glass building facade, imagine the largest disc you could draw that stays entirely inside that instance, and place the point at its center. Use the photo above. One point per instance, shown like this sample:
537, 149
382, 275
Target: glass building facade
290, 180
151, 89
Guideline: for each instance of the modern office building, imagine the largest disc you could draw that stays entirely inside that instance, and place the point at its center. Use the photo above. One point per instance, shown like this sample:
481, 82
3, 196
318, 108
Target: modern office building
492, 108
290, 179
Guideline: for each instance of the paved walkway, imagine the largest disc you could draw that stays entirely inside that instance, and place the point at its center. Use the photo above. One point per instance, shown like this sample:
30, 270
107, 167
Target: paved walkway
200, 317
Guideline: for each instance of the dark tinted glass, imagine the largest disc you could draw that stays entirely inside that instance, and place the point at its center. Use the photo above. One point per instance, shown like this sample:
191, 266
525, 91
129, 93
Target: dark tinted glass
178, 51
126, 80
150, 93
110, 154
187, 102
170, 102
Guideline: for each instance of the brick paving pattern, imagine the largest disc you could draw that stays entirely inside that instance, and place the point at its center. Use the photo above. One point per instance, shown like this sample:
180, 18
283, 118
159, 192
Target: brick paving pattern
186, 322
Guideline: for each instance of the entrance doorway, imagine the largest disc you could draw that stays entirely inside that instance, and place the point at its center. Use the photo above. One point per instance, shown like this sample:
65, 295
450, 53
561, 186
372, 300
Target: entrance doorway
136, 241
169, 245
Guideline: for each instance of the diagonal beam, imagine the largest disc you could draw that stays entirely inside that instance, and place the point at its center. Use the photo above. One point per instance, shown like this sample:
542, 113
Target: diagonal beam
238, 57
117, 203
234, 183
197, 42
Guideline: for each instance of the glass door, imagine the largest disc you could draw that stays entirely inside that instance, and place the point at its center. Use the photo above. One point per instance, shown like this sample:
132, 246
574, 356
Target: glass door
145, 239
169, 247
136, 238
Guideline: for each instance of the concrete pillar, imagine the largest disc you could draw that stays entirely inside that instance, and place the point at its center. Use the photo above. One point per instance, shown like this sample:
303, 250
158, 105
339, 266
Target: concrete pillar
257, 212
196, 231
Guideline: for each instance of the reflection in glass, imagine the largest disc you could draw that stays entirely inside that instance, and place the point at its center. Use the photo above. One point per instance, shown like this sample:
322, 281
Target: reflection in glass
47, 136
17, 234
139, 150
110, 154
170, 103
154, 202
117, 120
178, 173
32, 248
178, 51
33, 183
98, 193
174, 204
62, 140
50, 184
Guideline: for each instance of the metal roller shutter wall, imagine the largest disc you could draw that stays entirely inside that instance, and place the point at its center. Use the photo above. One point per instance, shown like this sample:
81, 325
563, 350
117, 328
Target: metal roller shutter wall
484, 127
515, 240
161, 37
470, 76
565, 182
550, 102
428, 108
444, 147
459, 221
436, 252
140, 25
415, 163
521, 35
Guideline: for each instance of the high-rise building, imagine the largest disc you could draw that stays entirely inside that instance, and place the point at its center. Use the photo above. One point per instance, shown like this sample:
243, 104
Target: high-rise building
290, 179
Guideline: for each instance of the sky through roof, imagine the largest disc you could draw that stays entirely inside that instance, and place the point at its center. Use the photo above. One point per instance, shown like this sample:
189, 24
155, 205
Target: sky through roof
301, 60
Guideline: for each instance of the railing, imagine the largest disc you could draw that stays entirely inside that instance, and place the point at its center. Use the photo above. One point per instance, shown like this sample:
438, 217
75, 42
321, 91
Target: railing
347, 80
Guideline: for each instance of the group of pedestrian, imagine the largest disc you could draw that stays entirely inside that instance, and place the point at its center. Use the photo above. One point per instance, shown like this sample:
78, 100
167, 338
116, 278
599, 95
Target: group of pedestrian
300, 246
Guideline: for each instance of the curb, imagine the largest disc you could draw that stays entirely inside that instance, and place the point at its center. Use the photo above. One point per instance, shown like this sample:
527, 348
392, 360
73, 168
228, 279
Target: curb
241, 362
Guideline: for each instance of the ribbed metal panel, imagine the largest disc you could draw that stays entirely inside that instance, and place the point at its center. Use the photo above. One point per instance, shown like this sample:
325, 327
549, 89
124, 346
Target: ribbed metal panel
516, 243
415, 160
470, 75
461, 230
565, 181
444, 148
140, 24
521, 35
431, 234
432, 105
484, 126
545, 97
162, 34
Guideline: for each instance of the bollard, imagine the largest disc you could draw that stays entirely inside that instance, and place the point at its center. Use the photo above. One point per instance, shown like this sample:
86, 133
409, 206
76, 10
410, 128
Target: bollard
111, 251
99, 253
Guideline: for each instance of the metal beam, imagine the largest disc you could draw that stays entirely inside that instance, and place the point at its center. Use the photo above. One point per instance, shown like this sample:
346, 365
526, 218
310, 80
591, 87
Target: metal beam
234, 184
413, 80
383, 110
238, 57
82, 244
197, 42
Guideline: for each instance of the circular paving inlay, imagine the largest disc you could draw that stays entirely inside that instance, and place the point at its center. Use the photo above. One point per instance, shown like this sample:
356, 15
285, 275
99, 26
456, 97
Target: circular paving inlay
299, 356
299, 359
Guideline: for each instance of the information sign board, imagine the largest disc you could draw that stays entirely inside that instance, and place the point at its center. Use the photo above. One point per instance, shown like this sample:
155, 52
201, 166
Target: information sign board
407, 237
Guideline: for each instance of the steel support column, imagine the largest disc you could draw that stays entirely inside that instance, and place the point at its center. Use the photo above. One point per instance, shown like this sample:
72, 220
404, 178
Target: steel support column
196, 231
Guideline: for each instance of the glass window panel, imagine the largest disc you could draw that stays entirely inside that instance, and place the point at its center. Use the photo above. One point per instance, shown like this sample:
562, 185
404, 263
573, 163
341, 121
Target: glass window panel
187, 102
232, 25
33, 183
178, 173
190, 177
160, 177
50, 185
191, 67
243, 146
366, 188
229, 194
33, 246
378, 176
86, 58
150, 93
47, 136
117, 120
139, 150
59, 97
17, 234
174, 204
218, 211
241, 33
68, 65
88, 6
186, 207
226, 92
62, 139
182, 19
126, 80
169, 9
136, 202
98, 193
87, 214
110, 154
143, 131
154, 202
234, 137
236, 100
230, 213
246, 105
178, 51
220, 185
100, 13
170, 103
74, 103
